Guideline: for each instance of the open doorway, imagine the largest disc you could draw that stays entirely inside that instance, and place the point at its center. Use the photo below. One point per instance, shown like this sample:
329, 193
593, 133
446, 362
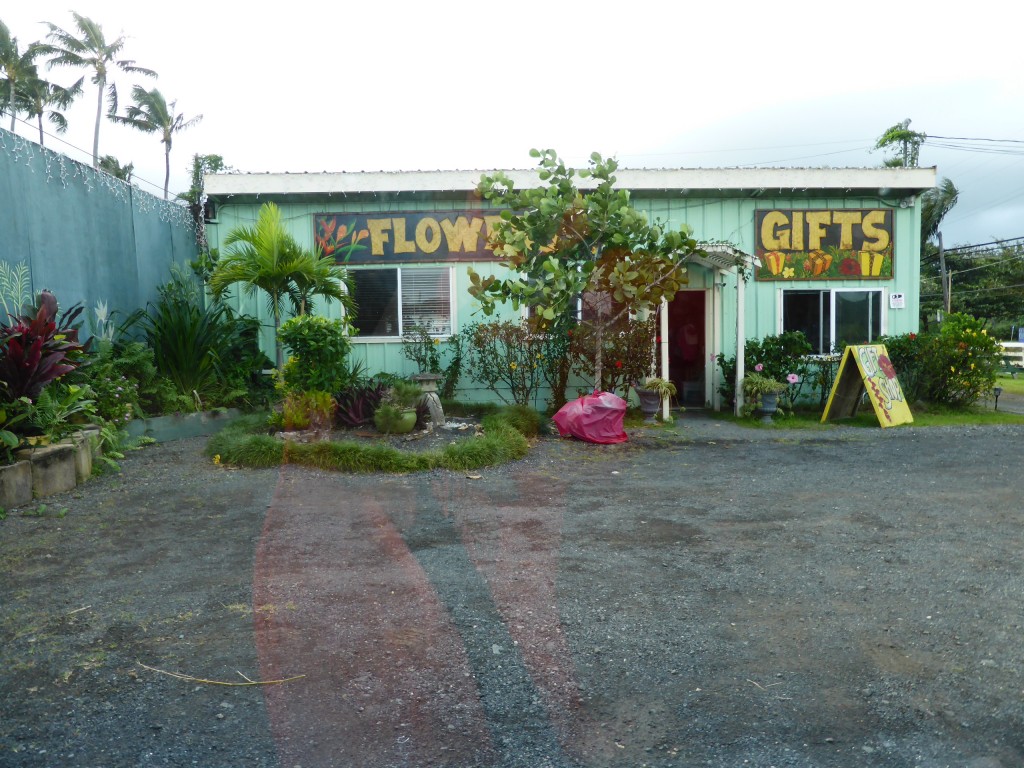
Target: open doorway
686, 347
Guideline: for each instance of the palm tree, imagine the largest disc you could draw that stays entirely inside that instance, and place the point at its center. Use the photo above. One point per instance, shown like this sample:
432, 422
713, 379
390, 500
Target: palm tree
18, 67
110, 164
91, 51
40, 98
935, 204
265, 257
152, 114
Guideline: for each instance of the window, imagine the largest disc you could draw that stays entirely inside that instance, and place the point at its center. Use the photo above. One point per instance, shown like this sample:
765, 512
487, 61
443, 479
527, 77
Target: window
391, 301
832, 319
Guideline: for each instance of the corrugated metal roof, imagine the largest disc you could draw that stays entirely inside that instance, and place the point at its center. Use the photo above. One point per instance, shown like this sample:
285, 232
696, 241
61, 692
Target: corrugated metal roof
782, 180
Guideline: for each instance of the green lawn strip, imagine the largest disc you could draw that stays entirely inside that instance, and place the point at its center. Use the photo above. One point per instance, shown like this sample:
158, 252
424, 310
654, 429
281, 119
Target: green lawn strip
241, 444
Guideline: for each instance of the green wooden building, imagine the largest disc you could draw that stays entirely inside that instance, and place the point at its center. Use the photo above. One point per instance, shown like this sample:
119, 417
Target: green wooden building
833, 252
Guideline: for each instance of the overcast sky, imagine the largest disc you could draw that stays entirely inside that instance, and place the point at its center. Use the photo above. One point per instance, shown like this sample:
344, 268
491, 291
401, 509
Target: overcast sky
305, 86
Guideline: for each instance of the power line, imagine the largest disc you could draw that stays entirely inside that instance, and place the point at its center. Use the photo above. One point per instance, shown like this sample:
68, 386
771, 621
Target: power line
962, 138
977, 290
86, 153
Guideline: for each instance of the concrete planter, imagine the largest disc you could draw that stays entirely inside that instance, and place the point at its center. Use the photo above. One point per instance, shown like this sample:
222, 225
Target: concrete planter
83, 448
181, 425
15, 484
53, 468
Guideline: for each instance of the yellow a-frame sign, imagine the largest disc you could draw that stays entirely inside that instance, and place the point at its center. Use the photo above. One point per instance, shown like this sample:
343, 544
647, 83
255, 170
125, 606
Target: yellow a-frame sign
871, 371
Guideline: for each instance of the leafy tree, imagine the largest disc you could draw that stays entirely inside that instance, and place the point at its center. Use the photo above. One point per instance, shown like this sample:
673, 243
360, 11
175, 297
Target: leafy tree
265, 257
563, 243
907, 144
90, 50
988, 283
40, 98
152, 114
201, 166
110, 164
18, 68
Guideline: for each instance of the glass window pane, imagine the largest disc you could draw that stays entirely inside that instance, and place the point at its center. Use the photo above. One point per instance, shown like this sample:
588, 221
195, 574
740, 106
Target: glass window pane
376, 295
426, 300
858, 319
808, 311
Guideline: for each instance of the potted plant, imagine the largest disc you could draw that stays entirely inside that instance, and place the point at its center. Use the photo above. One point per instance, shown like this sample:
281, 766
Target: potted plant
651, 395
763, 392
397, 411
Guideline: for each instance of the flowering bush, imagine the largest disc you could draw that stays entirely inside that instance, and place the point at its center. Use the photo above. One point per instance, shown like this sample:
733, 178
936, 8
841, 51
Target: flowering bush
629, 353
506, 355
956, 366
782, 358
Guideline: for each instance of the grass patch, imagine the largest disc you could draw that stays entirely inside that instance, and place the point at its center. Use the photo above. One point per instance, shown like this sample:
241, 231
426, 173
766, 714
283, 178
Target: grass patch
245, 443
1014, 386
930, 416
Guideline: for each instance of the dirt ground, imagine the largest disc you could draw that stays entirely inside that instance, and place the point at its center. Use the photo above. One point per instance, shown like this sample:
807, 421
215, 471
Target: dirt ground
708, 596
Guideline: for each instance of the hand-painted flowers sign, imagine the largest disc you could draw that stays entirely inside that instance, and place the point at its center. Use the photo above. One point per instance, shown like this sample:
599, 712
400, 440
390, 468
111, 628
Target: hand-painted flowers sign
824, 244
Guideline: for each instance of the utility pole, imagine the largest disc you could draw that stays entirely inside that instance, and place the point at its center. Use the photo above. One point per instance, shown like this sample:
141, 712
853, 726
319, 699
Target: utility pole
947, 280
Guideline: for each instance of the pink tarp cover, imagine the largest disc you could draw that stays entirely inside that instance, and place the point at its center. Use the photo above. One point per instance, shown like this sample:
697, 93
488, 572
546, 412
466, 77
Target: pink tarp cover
596, 418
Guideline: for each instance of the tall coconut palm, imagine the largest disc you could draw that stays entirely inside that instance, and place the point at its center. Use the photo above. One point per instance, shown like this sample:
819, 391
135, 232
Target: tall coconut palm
265, 257
90, 50
935, 204
40, 98
152, 114
18, 67
110, 164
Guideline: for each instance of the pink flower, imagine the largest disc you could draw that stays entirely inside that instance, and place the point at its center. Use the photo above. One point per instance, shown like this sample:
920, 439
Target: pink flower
792, 378
759, 367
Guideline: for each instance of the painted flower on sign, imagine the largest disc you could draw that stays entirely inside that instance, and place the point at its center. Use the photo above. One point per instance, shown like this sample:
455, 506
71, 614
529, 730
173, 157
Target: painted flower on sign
887, 367
849, 267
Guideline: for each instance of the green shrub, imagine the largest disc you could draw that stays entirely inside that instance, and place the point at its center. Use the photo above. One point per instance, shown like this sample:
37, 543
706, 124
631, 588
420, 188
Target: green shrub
775, 357
955, 367
210, 356
426, 351
628, 352
305, 410
499, 444
521, 418
506, 357
320, 348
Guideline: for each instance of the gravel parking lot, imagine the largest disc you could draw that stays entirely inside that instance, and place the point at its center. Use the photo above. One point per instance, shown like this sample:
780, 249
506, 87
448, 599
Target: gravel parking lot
712, 596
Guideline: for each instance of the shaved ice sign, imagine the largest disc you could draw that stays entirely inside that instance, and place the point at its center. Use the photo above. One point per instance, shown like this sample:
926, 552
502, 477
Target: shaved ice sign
866, 368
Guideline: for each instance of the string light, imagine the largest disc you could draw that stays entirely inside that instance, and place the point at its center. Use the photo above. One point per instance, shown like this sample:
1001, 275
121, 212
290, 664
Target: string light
62, 169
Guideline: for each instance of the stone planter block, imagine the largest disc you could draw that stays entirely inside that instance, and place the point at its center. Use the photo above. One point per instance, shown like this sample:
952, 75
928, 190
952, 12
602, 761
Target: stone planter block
83, 455
15, 484
53, 468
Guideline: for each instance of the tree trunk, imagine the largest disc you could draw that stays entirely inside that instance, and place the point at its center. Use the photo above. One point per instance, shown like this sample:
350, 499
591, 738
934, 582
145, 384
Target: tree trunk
40, 121
10, 104
167, 168
96, 134
277, 339
598, 355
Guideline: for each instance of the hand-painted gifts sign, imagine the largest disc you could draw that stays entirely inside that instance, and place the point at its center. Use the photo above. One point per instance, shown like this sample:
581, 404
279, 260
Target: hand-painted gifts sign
867, 368
399, 237
824, 244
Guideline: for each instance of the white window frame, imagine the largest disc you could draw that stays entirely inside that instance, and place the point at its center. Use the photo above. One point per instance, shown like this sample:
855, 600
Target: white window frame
399, 268
883, 318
